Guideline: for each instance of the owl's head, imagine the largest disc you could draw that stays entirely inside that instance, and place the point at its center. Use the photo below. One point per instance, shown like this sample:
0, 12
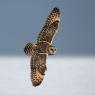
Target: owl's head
52, 50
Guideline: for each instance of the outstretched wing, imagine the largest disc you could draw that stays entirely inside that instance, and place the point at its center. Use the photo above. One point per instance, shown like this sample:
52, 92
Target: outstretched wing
38, 68
51, 26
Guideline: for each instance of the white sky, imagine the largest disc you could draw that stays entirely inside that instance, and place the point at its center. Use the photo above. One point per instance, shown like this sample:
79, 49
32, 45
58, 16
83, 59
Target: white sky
64, 76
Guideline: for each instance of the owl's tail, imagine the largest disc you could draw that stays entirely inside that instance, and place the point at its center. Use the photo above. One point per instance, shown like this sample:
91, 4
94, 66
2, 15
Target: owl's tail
28, 49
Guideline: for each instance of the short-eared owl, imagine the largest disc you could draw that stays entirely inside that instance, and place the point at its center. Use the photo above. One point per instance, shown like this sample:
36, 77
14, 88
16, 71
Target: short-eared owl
43, 47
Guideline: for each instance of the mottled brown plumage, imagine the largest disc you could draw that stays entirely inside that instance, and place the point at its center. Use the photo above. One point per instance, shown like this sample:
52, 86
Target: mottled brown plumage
28, 49
50, 28
38, 67
43, 47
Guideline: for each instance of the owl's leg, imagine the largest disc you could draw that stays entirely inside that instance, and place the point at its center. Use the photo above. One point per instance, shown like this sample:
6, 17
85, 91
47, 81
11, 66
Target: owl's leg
52, 50
28, 49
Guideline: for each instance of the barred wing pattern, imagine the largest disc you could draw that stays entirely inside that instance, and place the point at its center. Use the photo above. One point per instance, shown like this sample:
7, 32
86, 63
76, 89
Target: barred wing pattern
38, 68
51, 27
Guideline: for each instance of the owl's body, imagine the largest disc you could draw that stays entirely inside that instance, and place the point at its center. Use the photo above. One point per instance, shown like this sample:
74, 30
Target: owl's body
43, 47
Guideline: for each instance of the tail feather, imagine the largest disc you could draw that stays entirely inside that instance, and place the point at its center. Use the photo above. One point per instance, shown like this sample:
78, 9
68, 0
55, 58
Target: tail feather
29, 49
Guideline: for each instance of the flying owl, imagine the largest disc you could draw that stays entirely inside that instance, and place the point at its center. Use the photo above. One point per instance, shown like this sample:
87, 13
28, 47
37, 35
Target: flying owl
43, 47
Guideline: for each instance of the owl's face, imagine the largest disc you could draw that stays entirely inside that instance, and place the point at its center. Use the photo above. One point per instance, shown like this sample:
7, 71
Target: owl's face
52, 50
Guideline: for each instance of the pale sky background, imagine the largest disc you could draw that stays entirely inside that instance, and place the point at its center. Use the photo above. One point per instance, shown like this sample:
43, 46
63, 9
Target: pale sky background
21, 21
64, 76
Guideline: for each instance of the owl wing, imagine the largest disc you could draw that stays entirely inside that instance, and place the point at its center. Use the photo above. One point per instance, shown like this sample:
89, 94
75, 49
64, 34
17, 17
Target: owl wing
38, 68
51, 27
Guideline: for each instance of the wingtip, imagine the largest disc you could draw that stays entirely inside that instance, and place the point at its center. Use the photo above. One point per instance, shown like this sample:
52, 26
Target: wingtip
56, 9
36, 83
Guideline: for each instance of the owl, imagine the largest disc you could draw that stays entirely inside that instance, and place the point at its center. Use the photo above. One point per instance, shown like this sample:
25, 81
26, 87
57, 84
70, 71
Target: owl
43, 47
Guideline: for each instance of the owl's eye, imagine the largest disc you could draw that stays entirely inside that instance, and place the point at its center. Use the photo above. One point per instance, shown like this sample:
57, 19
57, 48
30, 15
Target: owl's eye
51, 49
